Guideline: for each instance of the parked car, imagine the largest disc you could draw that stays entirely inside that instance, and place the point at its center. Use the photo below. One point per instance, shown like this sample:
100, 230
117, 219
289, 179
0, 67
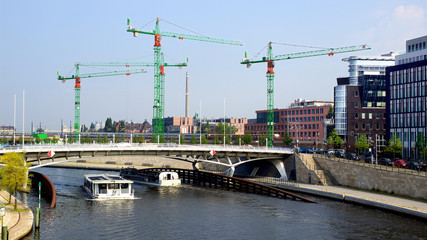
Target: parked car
412, 165
369, 158
352, 156
306, 150
400, 163
385, 162
340, 153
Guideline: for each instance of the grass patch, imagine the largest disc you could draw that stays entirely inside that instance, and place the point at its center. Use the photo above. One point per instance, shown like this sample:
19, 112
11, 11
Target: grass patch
18, 210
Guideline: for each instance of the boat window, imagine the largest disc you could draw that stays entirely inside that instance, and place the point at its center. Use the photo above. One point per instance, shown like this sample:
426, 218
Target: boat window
102, 186
125, 185
168, 176
111, 186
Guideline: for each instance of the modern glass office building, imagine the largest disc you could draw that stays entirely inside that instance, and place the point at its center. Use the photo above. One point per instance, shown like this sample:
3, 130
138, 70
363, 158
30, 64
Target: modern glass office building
360, 99
406, 96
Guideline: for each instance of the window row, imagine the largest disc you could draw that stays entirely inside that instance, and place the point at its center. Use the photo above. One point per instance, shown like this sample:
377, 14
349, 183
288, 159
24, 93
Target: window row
408, 120
302, 119
302, 111
408, 90
415, 74
369, 126
369, 115
408, 105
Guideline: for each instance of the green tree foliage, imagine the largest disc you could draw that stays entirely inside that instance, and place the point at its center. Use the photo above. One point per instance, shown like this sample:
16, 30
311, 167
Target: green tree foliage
135, 139
55, 140
215, 140
19, 140
193, 139
70, 139
204, 139
421, 142
228, 130
334, 140
287, 140
262, 140
227, 140
173, 140
14, 174
330, 112
206, 128
40, 130
88, 139
109, 126
237, 140
362, 143
92, 127
247, 138
141, 139
182, 139
122, 126
106, 140
99, 139
162, 139
394, 146
38, 140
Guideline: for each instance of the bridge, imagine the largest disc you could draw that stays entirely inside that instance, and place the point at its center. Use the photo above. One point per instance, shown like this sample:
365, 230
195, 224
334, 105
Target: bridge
248, 159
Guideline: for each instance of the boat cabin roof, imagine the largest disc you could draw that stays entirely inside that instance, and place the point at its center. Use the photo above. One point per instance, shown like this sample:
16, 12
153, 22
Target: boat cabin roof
106, 178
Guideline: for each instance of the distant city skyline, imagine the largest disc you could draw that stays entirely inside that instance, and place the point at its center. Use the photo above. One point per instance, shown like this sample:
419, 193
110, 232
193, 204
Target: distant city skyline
41, 38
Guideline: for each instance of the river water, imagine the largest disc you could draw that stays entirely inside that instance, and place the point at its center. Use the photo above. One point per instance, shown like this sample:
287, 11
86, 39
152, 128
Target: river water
191, 212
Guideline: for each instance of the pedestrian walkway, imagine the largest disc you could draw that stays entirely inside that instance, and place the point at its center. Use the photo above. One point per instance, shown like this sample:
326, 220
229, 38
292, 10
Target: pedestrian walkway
381, 201
20, 221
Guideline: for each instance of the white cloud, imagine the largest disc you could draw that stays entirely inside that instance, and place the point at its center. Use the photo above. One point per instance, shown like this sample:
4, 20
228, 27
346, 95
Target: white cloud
409, 13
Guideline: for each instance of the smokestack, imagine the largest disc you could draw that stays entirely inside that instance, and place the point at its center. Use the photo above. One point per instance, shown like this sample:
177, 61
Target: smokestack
187, 102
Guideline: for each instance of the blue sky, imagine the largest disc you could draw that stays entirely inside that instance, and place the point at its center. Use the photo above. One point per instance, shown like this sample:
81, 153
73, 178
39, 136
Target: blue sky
37, 38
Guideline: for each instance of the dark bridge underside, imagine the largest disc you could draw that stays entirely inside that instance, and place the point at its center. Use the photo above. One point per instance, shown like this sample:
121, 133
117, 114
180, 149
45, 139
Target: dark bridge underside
257, 168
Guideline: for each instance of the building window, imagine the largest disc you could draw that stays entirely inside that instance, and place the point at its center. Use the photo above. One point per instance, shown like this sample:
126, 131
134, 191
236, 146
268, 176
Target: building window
378, 126
363, 126
356, 126
370, 115
377, 116
356, 104
317, 111
356, 115
321, 110
363, 115
356, 93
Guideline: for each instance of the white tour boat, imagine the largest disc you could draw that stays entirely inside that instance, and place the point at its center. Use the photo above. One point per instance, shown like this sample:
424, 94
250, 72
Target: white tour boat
105, 186
155, 178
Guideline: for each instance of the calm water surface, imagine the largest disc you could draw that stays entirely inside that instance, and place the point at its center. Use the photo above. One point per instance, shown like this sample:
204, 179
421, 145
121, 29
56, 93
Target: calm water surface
200, 213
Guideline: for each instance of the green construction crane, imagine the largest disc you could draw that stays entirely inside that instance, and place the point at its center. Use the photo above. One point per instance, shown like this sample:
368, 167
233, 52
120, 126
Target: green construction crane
270, 59
159, 74
77, 86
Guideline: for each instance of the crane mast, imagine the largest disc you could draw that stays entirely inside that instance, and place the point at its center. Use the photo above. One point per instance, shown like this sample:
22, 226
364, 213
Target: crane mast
270, 59
77, 86
159, 74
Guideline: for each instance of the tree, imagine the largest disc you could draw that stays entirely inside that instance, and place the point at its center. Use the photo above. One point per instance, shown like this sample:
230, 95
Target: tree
84, 128
92, 127
362, 143
109, 126
173, 140
287, 140
135, 139
334, 140
247, 138
330, 112
70, 139
206, 128
88, 139
141, 139
162, 139
394, 146
237, 140
105, 140
55, 140
215, 140
182, 139
193, 139
14, 174
122, 126
204, 139
38, 140
40, 130
421, 142
227, 140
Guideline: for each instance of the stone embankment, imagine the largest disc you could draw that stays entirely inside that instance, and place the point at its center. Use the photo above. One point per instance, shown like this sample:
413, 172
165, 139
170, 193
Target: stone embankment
19, 221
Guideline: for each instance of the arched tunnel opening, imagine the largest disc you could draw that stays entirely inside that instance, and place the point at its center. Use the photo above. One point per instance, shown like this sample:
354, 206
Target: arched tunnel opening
257, 169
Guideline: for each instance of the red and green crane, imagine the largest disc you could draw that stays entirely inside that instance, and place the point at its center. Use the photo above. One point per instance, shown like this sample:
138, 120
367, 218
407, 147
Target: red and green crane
270, 59
77, 77
159, 74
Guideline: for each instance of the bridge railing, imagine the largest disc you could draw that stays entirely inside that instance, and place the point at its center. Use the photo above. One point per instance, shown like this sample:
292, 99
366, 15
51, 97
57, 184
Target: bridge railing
372, 165
149, 146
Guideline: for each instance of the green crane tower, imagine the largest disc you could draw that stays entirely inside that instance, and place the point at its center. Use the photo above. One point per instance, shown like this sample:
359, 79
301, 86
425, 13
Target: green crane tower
159, 74
77, 87
270, 59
